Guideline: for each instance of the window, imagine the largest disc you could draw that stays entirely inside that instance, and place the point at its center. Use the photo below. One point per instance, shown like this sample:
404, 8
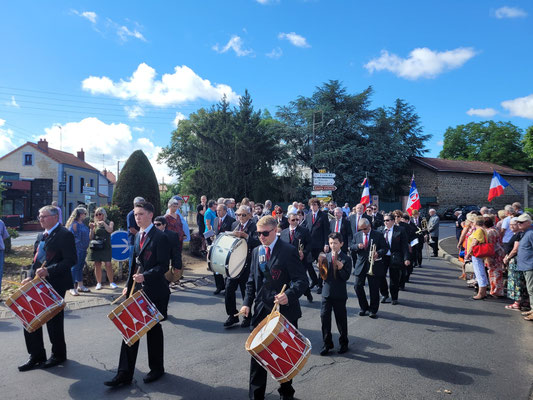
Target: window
82, 184
92, 182
28, 159
70, 183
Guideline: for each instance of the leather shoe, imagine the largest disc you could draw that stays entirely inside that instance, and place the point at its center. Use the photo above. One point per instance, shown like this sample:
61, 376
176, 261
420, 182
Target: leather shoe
325, 349
286, 397
217, 291
310, 298
53, 361
231, 321
153, 376
319, 290
373, 315
385, 299
31, 364
246, 322
394, 302
119, 379
343, 349
362, 313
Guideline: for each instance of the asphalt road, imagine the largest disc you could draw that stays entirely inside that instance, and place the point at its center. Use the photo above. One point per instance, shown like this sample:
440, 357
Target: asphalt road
436, 340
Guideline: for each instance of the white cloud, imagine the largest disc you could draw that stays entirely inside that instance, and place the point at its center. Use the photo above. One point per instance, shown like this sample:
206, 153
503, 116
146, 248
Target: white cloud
236, 44
421, 63
482, 112
275, 53
124, 33
6, 139
510, 12
520, 107
134, 111
265, 2
179, 117
114, 141
295, 39
12, 103
89, 15
181, 86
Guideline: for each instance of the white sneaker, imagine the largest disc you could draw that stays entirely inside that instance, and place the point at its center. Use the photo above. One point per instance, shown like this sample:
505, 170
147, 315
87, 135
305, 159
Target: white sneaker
74, 292
98, 286
113, 285
83, 289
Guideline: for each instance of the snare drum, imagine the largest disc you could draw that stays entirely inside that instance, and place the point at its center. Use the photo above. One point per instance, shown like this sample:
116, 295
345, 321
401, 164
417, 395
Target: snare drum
279, 347
35, 303
134, 317
227, 255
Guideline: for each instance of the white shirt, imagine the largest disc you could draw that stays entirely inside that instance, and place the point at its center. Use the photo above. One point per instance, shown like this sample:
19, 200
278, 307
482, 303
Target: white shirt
388, 238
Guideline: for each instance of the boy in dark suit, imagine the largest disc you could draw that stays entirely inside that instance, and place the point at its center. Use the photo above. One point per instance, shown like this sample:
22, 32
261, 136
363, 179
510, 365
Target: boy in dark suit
334, 294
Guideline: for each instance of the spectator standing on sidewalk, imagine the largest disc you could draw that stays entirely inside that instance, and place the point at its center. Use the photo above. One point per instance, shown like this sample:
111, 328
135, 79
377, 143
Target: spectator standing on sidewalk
525, 256
4, 234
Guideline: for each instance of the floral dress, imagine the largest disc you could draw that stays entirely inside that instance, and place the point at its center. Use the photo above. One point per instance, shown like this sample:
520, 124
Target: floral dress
515, 279
495, 264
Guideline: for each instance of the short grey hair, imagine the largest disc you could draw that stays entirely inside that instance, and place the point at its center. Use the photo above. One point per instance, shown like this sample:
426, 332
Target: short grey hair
246, 209
364, 222
221, 200
509, 208
52, 210
138, 199
338, 209
171, 202
223, 206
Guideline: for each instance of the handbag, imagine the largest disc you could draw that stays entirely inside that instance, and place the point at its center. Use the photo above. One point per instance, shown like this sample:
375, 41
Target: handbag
483, 250
96, 244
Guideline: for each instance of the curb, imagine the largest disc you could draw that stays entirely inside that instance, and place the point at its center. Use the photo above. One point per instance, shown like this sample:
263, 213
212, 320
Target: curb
447, 256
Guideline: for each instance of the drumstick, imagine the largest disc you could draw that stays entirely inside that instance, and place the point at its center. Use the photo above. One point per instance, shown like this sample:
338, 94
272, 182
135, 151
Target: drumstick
13, 282
276, 305
133, 283
117, 299
239, 313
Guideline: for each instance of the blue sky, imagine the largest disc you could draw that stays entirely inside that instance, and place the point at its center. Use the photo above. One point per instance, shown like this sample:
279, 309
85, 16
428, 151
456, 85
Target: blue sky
112, 77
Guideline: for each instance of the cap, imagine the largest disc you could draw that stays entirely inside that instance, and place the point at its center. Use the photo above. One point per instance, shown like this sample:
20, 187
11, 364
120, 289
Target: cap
523, 217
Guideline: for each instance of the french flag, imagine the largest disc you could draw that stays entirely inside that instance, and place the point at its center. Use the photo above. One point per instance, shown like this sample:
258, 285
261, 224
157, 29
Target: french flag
413, 202
497, 184
365, 197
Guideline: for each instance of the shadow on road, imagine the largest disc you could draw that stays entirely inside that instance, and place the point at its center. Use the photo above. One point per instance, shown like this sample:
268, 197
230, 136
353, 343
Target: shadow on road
447, 325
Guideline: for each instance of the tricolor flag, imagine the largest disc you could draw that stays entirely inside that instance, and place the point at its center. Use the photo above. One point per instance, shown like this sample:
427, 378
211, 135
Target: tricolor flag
497, 184
413, 202
365, 197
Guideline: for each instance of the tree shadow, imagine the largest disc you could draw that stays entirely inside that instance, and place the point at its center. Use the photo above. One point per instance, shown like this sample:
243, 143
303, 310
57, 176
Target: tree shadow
450, 310
9, 325
207, 325
203, 299
447, 326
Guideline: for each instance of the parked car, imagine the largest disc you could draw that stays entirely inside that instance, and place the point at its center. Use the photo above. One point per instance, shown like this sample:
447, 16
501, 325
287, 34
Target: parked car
449, 214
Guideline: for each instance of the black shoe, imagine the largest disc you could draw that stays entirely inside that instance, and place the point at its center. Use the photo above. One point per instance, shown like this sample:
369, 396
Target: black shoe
325, 349
286, 397
373, 315
402, 288
119, 379
153, 376
53, 361
246, 322
385, 299
217, 291
319, 290
31, 364
362, 313
343, 349
231, 321
310, 298
394, 302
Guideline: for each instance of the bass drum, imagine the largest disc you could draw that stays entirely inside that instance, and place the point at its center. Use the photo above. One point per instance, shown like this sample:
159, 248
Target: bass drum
227, 255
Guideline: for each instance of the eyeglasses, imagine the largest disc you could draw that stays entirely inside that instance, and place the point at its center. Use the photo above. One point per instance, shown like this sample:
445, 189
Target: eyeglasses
44, 216
98, 214
264, 233
520, 222
158, 224
387, 220
241, 215
292, 220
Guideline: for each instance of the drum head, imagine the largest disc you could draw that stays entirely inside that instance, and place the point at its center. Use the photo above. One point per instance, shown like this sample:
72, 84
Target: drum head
264, 332
237, 258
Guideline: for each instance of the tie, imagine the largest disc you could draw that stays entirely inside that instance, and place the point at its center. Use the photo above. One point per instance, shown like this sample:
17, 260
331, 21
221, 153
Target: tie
267, 250
387, 236
143, 236
357, 224
291, 235
242, 228
366, 240
313, 218
219, 224
337, 226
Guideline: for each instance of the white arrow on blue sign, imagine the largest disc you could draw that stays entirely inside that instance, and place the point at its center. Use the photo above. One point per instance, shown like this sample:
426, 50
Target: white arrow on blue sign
120, 247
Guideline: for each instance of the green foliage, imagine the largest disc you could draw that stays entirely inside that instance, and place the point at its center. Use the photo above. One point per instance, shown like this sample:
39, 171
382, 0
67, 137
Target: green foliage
13, 233
528, 144
137, 178
172, 190
496, 142
113, 214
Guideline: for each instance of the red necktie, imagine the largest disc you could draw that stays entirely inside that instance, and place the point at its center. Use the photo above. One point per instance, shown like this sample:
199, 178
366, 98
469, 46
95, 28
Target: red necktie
291, 236
337, 226
366, 240
219, 224
267, 249
313, 218
242, 228
143, 236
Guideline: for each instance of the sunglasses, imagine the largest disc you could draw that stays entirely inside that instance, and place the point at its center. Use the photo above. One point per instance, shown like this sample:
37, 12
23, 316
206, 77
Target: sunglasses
292, 220
158, 224
386, 220
241, 215
520, 222
264, 233
98, 214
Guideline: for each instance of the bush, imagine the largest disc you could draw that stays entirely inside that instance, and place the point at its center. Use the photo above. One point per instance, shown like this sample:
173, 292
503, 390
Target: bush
13, 233
113, 214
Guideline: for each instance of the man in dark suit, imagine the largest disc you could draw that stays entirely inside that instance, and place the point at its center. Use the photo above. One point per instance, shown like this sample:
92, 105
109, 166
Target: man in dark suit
342, 226
223, 223
418, 248
317, 223
174, 244
283, 222
280, 265
55, 246
300, 238
376, 219
334, 295
410, 230
152, 254
246, 229
395, 260
356, 217
360, 247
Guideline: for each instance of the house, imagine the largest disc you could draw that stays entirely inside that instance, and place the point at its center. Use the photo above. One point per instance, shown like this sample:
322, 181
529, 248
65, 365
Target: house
55, 175
106, 186
450, 183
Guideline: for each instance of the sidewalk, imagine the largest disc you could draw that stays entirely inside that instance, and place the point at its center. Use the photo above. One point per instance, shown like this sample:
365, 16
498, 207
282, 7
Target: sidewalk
448, 250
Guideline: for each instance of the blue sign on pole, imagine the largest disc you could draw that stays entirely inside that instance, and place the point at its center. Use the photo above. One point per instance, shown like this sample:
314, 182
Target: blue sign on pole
120, 248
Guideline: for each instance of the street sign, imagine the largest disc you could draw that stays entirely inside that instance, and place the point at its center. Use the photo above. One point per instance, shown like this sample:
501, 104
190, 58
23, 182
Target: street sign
324, 175
120, 247
324, 199
323, 181
87, 199
325, 187
185, 198
62, 186
88, 190
321, 193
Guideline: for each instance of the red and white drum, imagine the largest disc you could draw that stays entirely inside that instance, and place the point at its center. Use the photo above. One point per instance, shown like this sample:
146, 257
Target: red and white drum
135, 316
35, 303
279, 347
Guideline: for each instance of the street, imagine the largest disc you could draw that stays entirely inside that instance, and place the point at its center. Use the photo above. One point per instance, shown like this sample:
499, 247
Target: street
437, 343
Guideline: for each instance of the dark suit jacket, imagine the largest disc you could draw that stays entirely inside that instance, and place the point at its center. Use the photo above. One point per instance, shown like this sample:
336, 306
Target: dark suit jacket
376, 220
399, 246
175, 249
335, 284
226, 224
284, 223
361, 255
346, 232
253, 240
284, 267
353, 218
301, 236
153, 261
60, 250
319, 230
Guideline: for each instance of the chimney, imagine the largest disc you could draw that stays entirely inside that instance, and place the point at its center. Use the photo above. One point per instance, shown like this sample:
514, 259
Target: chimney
81, 155
43, 145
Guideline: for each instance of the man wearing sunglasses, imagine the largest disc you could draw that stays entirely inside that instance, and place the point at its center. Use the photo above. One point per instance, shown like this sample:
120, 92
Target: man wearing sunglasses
246, 229
341, 225
279, 265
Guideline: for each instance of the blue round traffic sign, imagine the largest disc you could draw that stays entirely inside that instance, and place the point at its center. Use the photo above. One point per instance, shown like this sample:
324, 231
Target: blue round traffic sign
120, 247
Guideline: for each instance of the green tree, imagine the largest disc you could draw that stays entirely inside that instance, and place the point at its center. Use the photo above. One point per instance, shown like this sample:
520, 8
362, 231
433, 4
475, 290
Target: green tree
137, 178
528, 145
496, 142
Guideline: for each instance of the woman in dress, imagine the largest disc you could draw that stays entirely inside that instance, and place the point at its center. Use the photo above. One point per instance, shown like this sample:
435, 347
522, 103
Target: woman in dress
514, 277
479, 236
80, 231
174, 223
494, 264
100, 247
